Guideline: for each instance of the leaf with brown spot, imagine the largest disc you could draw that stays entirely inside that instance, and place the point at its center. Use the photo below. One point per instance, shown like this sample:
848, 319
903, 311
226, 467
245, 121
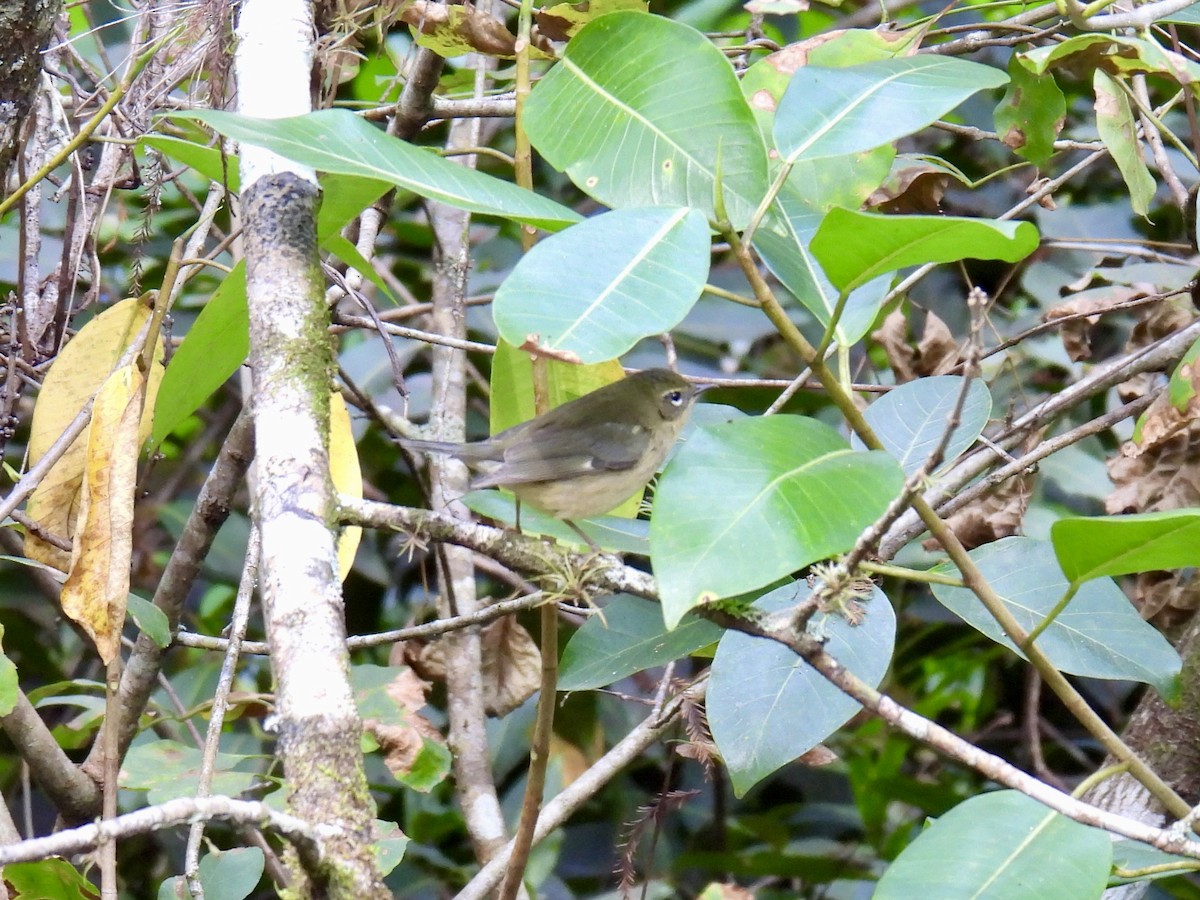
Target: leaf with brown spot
97, 585
560, 21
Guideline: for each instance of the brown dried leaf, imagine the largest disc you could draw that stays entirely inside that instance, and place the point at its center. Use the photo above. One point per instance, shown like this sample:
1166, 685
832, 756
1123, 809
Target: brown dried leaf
1168, 599
819, 755
937, 353
452, 30
998, 513
401, 742
915, 187
97, 586
1076, 333
893, 338
1166, 477
512, 666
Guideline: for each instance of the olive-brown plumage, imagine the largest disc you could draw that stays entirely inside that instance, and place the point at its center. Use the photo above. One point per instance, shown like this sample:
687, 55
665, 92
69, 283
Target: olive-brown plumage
586, 457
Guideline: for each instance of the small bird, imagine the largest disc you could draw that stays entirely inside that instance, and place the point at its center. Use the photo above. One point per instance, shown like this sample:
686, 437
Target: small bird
586, 457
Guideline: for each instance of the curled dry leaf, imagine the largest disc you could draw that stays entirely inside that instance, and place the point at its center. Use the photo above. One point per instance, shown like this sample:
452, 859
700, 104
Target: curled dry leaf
402, 743
1161, 470
998, 513
512, 664
97, 586
935, 354
914, 185
76, 375
454, 29
1088, 306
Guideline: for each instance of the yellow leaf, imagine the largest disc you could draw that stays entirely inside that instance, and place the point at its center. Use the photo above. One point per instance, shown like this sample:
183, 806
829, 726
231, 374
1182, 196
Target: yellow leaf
74, 378
346, 476
97, 585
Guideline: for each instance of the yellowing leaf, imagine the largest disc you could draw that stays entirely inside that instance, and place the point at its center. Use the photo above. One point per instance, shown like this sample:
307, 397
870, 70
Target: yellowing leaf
97, 585
74, 378
346, 475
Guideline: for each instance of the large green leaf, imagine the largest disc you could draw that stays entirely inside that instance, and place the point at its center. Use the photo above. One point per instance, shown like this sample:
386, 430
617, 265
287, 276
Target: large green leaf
856, 247
783, 242
1099, 634
629, 638
1121, 545
1115, 54
1031, 113
749, 501
336, 140
766, 706
911, 419
226, 875
49, 878
642, 110
836, 112
1119, 131
597, 288
212, 350
1003, 846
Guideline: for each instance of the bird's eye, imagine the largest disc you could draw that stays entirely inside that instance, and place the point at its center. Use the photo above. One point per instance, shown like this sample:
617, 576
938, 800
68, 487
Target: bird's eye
675, 397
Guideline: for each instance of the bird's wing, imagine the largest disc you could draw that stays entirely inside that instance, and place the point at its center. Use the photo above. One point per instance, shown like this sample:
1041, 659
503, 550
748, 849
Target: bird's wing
598, 448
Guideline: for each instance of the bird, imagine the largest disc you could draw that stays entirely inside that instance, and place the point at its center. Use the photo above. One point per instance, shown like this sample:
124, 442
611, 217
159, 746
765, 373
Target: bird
586, 457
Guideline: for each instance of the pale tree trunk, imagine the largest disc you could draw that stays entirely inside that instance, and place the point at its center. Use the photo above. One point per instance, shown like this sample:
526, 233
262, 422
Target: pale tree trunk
293, 498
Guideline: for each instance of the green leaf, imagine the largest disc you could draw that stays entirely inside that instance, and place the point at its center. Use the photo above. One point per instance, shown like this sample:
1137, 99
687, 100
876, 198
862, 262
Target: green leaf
1118, 131
1114, 54
1031, 113
766, 706
654, 133
150, 620
766, 81
213, 349
856, 247
1121, 545
836, 112
9, 686
168, 769
48, 879
208, 161
911, 419
343, 197
629, 639
336, 140
1099, 634
1001, 845
749, 501
597, 288
1182, 387
390, 844
1153, 863
227, 875
784, 244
